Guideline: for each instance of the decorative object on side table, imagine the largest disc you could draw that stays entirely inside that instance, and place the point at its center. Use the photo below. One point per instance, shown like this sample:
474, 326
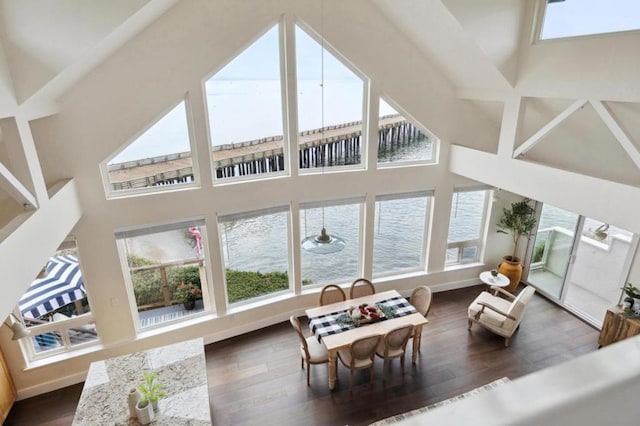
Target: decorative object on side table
631, 303
494, 273
151, 389
519, 221
133, 397
189, 293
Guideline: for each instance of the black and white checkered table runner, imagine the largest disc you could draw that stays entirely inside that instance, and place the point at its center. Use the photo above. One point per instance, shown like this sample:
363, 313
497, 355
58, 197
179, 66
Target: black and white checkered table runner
325, 325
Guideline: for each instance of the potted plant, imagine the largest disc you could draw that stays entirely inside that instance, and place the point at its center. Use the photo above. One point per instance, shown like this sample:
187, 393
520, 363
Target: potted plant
518, 221
188, 294
151, 389
633, 297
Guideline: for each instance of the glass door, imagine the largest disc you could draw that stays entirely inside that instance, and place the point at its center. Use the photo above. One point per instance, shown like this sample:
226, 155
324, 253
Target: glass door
579, 262
552, 249
602, 262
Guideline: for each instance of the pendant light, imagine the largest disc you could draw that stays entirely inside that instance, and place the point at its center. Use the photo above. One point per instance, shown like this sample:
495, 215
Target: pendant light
323, 243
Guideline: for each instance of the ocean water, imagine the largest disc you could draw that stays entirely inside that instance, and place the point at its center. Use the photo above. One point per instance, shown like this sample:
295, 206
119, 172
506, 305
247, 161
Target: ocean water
241, 110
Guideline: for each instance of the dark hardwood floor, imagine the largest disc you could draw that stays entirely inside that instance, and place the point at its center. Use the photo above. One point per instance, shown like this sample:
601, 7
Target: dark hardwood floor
256, 378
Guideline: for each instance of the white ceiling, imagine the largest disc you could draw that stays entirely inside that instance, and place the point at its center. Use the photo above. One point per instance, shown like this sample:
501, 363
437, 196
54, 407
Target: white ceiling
481, 46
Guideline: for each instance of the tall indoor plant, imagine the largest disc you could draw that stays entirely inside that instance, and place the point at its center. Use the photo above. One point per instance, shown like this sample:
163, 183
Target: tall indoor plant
518, 221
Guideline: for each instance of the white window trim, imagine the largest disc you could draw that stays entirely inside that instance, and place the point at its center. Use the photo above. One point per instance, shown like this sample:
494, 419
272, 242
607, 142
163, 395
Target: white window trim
61, 327
478, 242
422, 267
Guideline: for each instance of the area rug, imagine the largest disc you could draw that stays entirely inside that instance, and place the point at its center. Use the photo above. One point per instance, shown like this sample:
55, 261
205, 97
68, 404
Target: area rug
399, 417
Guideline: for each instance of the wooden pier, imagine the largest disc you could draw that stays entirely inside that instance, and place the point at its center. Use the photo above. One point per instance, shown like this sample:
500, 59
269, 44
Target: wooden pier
331, 146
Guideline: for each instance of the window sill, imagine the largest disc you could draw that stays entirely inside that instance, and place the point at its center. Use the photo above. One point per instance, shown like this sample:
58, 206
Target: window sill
461, 266
248, 305
64, 356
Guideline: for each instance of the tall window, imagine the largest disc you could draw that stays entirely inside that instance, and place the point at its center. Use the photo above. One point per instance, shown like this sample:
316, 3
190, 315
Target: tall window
166, 270
327, 91
400, 233
466, 226
55, 307
255, 248
159, 158
399, 140
244, 101
572, 18
341, 219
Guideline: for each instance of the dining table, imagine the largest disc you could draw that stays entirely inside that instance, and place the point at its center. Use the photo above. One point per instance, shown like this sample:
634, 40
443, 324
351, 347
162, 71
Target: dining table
332, 327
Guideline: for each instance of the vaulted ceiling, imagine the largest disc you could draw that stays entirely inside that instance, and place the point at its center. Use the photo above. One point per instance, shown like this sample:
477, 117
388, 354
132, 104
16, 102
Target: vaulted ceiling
483, 47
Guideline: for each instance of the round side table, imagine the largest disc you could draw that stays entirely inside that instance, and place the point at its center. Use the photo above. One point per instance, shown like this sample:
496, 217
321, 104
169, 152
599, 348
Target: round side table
500, 281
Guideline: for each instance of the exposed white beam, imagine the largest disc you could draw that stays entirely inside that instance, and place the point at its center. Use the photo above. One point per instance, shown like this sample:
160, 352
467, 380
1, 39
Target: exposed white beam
15, 189
597, 198
32, 240
537, 137
617, 131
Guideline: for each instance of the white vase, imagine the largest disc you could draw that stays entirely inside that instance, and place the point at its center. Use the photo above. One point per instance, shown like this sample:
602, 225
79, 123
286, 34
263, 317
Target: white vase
144, 411
132, 399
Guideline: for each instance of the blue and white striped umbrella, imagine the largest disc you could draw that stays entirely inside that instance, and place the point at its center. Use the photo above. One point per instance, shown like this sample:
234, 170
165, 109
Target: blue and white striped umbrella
62, 285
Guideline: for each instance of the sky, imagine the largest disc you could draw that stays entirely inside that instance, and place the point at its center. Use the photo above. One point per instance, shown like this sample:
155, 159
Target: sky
571, 18
260, 61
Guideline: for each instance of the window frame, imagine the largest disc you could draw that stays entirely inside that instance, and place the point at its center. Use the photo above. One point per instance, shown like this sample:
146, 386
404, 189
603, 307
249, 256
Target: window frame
131, 232
366, 84
62, 327
480, 242
426, 234
360, 201
435, 142
538, 24
111, 194
223, 218
284, 88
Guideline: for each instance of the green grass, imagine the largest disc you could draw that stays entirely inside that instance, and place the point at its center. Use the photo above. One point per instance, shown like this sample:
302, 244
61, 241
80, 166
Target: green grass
242, 285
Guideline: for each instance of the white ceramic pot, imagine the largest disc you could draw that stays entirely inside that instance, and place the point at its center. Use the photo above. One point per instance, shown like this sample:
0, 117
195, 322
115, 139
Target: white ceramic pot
144, 411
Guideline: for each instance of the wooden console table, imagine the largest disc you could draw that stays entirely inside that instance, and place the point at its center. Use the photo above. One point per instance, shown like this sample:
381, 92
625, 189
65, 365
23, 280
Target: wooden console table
616, 327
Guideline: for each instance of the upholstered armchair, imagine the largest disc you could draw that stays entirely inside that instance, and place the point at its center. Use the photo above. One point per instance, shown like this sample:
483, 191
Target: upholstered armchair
501, 315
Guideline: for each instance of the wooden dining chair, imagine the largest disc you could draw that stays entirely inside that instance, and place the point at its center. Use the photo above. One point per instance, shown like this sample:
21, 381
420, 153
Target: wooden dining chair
311, 351
394, 345
421, 298
361, 287
331, 293
360, 355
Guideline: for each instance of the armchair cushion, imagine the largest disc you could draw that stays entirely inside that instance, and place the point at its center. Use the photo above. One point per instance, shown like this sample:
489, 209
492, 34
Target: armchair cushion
489, 316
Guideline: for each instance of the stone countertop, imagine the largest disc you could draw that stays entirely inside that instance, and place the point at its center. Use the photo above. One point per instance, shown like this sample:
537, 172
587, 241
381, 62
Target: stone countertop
181, 369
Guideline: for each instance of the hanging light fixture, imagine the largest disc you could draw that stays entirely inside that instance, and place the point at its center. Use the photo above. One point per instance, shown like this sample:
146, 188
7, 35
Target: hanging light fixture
323, 243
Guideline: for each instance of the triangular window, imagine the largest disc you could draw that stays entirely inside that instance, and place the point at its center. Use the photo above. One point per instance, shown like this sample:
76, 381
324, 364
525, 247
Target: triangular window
400, 140
244, 101
159, 157
330, 96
